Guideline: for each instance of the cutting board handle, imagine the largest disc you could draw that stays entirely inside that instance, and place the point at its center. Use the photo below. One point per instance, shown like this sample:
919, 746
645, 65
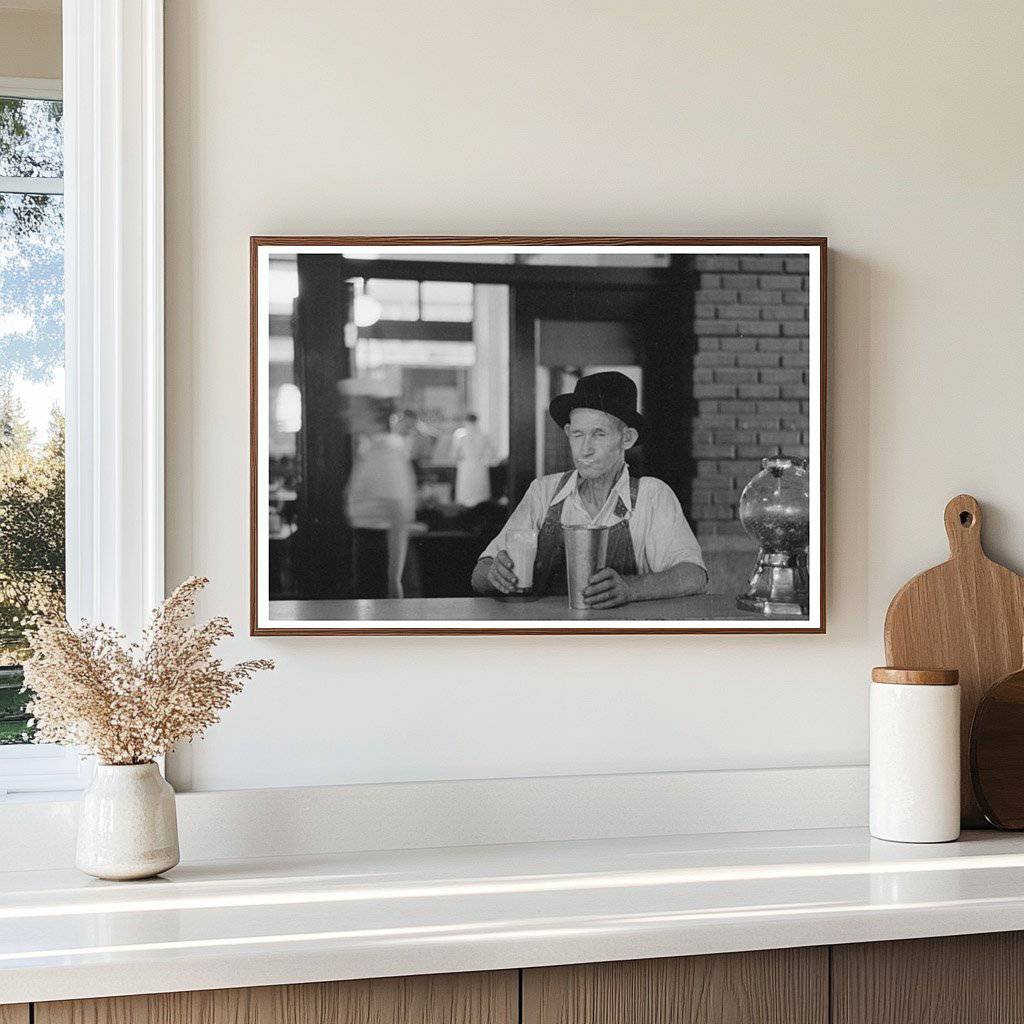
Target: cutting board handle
963, 526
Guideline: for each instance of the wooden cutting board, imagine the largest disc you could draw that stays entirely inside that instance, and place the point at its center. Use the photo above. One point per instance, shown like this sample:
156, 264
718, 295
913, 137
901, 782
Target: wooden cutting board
967, 614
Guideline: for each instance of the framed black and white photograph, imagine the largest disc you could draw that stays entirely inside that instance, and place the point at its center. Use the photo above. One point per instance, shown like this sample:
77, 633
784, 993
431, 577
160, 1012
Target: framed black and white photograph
537, 435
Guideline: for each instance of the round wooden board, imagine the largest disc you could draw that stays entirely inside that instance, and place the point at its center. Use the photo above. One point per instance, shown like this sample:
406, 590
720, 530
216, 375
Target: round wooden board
997, 753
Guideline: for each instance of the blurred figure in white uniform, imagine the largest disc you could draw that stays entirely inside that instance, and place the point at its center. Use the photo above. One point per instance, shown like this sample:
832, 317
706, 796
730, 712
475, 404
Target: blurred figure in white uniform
381, 492
474, 455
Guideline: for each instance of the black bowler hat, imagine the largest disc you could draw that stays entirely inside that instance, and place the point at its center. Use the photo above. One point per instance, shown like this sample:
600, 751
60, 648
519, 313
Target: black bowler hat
610, 391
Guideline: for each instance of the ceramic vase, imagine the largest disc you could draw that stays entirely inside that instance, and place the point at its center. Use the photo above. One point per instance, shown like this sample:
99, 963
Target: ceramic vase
127, 825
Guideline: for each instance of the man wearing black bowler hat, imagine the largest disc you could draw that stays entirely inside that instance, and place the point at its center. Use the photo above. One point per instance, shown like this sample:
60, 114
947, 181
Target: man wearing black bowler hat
652, 552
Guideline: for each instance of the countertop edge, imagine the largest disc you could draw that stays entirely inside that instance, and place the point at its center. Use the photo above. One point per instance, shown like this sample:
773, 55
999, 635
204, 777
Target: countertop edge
541, 948
228, 924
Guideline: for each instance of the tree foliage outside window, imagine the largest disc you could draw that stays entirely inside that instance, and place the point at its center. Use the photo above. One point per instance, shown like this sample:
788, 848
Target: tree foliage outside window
31, 241
31, 363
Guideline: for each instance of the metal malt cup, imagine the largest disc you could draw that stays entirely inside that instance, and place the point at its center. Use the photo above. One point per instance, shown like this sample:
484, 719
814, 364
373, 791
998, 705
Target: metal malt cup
586, 551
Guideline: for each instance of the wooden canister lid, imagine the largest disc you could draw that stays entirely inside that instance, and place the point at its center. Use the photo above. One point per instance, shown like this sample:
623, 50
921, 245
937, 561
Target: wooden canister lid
916, 676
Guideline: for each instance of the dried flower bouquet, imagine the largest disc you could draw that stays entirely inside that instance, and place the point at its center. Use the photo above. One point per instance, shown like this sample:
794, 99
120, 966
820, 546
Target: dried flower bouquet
128, 703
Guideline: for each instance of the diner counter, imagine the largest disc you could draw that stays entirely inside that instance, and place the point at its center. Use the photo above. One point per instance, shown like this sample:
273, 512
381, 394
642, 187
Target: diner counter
302, 919
702, 607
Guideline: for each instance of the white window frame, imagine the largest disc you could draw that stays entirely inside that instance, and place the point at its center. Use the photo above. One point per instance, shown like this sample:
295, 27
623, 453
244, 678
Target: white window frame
31, 88
114, 330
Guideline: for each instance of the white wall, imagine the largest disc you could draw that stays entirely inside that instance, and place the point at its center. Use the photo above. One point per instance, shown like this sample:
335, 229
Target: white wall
30, 39
895, 129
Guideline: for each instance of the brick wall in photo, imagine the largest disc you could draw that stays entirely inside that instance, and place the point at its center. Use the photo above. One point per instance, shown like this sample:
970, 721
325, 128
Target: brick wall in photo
751, 386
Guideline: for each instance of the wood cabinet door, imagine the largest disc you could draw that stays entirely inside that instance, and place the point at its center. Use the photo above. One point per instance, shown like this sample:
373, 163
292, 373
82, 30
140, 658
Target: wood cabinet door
960, 979
777, 986
478, 998
14, 1013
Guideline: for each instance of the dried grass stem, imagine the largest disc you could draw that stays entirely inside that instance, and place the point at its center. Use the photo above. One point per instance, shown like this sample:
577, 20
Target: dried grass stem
129, 703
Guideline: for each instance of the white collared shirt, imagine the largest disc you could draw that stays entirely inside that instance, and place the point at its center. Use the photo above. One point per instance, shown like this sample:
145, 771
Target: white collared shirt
661, 535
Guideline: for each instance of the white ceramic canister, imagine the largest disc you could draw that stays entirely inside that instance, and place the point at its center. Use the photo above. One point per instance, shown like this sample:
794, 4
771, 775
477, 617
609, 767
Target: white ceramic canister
127, 825
915, 755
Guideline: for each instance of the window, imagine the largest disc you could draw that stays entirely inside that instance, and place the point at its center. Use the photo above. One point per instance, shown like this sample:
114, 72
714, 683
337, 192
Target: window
32, 536
446, 300
31, 381
450, 301
112, 166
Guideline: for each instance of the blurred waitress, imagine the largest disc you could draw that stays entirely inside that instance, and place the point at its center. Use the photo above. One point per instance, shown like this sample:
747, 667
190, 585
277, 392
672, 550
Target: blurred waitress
381, 491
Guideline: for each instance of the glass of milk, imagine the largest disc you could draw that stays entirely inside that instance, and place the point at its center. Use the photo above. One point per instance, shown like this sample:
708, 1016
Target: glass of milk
521, 546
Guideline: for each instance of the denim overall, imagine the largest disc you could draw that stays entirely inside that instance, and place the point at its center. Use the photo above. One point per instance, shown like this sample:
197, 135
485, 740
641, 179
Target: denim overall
549, 576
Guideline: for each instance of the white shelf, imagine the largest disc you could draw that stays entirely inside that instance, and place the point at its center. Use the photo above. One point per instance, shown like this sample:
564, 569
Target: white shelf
268, 921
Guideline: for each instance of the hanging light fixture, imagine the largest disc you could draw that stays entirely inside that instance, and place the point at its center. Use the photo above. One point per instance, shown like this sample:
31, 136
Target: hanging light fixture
366, 310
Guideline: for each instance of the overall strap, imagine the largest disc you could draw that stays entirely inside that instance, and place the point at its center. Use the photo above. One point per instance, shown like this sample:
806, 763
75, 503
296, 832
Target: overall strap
621, 557
620, 506
550, 553
554, 512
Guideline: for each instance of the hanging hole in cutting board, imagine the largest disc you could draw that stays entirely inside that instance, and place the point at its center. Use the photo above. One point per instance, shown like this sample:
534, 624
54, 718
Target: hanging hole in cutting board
966, 519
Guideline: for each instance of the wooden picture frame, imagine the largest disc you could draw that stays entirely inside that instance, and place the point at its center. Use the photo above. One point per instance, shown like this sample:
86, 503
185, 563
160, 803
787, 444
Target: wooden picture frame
715, 319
